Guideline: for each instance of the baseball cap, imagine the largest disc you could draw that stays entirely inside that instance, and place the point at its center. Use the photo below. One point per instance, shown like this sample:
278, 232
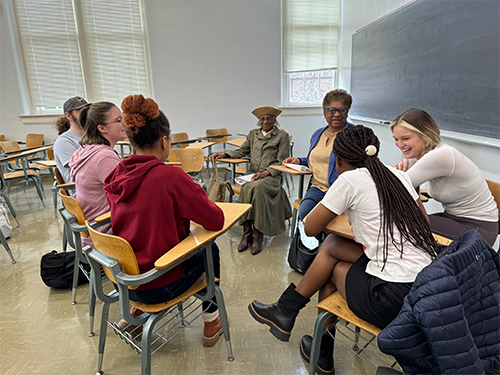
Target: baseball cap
75, 102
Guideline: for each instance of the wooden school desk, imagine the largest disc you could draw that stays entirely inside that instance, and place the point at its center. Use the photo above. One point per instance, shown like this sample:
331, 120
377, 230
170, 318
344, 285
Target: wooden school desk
340, 226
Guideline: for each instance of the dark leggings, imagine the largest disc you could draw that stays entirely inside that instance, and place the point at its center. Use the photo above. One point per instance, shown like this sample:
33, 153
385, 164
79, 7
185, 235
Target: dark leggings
193, 269
452, 227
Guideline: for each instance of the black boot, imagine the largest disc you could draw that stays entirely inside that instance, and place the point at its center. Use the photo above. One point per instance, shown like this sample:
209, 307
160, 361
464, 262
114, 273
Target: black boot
247, 236
280, 316
325, 364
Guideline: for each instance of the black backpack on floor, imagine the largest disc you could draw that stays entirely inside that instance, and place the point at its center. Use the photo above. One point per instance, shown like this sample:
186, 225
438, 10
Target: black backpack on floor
56, 270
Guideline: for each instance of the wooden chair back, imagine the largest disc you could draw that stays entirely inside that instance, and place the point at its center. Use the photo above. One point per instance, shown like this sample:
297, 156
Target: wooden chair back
74, 208
9, 146
495, 191
59, 177
191, 159
179, 137
117, 248
34, 140
50, 154
2, 138
212, 132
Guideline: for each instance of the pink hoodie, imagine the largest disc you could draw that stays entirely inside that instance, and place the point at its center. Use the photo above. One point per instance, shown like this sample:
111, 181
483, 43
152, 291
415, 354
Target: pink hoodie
90, 165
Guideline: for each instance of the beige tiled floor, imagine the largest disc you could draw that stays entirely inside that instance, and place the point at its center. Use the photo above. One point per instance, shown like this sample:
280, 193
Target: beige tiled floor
42, 333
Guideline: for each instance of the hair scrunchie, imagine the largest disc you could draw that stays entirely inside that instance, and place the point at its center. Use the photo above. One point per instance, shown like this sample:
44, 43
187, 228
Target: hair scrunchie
370, 150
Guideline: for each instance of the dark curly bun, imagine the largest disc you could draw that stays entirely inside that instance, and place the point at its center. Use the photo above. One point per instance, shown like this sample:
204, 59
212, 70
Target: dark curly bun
144, 123
137, 110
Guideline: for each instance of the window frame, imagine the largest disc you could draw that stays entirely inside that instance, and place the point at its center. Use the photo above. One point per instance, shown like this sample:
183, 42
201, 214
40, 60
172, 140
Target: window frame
40, 115
305, 108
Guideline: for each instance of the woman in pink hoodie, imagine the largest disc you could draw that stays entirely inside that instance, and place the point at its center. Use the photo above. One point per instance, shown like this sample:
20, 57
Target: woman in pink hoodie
152, 205
91, 163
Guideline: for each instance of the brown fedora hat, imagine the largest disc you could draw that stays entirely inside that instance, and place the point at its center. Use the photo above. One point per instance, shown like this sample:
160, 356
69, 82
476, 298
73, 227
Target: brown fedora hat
266, 110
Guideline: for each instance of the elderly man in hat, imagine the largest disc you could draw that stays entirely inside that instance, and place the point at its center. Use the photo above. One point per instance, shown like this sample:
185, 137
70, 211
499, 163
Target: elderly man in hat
70, 133
267, 145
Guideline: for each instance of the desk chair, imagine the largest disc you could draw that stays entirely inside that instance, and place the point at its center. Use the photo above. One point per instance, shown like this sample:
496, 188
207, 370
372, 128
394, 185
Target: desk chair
22, 176
17, 165
117, 258
2, 138
210, 133
191, 160
180, 137
335, 305
58, 184
35, 140
73, 217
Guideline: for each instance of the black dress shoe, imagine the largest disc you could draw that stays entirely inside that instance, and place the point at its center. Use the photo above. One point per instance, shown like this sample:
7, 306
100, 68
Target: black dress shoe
325, 362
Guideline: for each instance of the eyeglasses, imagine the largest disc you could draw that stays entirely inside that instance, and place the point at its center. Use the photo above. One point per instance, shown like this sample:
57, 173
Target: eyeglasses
112, 122
333, 110
264, 118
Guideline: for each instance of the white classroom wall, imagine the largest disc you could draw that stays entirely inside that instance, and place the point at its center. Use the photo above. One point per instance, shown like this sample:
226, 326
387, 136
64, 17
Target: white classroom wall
212, 62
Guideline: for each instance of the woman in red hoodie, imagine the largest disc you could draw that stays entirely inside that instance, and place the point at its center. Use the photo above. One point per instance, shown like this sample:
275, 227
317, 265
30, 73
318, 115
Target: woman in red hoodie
152, 205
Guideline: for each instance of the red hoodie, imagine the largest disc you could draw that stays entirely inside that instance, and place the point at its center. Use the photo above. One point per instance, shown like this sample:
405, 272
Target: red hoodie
152, 205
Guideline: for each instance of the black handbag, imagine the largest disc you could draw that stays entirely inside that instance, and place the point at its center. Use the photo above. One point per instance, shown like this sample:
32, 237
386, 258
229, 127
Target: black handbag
300, 256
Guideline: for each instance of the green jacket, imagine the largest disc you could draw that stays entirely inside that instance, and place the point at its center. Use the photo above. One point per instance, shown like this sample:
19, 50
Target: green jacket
264, 151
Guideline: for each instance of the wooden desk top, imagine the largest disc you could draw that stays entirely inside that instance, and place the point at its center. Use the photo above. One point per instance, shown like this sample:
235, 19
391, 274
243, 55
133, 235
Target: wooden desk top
124, 142
173, 163
200, 236
236, 142
233, 161
201, 145
25, 152
30, 149
184, 142
47, 163
284, 169
340, 226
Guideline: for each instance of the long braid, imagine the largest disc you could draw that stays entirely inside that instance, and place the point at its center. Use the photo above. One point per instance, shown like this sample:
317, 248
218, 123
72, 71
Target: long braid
359, 146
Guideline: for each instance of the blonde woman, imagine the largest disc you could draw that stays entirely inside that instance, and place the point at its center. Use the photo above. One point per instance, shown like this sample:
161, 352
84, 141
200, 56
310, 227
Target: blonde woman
450, 177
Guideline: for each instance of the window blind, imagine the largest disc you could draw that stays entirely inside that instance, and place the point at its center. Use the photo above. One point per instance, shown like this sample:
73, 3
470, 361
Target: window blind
311, 35
116, 46
94, 49
50, 49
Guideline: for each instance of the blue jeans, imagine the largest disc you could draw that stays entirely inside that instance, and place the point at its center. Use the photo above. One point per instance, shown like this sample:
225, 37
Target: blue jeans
308, 204
193, 268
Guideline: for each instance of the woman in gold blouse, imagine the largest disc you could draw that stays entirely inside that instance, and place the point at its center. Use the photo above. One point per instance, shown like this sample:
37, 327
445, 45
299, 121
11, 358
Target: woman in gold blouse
321, 159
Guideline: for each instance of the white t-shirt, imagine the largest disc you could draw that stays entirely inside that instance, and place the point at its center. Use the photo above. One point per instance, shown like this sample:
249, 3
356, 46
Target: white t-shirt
354, 192
455, 181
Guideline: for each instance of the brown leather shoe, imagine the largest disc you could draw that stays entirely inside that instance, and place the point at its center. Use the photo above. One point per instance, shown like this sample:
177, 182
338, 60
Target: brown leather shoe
247, 236
257, 242
211, 332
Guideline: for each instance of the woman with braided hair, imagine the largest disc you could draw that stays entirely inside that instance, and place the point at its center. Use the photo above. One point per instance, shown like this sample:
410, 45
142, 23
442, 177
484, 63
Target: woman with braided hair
152, 205
373, 274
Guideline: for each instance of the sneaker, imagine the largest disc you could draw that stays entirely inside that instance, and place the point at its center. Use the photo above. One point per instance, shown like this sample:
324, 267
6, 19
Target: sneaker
211, 332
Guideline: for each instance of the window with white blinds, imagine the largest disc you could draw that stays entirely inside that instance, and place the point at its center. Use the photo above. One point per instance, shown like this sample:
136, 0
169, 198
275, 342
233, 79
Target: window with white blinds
94, 49
311, 35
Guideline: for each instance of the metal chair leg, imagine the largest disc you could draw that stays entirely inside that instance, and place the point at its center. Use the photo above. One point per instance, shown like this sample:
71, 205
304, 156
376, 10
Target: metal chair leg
11, 208
3, 240
316, 343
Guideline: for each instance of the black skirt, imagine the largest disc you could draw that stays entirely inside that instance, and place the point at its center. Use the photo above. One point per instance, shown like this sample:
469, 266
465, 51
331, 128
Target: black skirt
373, 299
